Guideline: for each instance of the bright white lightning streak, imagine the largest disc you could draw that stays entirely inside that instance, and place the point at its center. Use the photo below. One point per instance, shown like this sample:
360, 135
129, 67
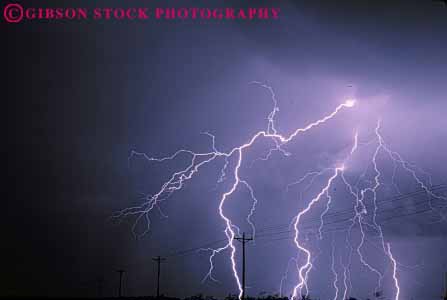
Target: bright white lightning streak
304, 270
359, 215
313, 176
396, 282
284, 277
334, 272
178, 179
345, 277
360, 208
356, 142
235, 155
328, 205
360, 211
397, 158
252, 210
229, 226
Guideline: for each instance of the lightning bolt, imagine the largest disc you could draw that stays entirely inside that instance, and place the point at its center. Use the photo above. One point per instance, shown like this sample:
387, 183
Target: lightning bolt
233, 160
334, 272
360, 195
178, 179
396, 282
345, 279
286, 273
304, 270
411, 169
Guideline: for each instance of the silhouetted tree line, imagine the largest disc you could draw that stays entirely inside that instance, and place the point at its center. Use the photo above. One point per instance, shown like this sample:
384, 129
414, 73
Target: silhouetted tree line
266, 296
261, 296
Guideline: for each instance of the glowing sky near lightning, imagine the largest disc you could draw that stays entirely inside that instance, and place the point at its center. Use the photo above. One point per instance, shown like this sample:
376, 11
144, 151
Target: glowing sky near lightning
364, 193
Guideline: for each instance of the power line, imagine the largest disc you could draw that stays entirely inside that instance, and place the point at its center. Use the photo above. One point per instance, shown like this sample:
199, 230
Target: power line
344, 229
440, 187
348, 211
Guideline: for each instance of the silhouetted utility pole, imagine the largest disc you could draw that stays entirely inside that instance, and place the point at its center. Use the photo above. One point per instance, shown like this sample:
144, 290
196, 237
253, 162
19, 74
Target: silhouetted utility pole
243, 240
120, 283
158, 259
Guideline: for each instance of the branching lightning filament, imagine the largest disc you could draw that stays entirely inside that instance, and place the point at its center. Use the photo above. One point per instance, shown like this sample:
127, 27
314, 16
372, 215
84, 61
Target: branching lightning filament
362, 196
